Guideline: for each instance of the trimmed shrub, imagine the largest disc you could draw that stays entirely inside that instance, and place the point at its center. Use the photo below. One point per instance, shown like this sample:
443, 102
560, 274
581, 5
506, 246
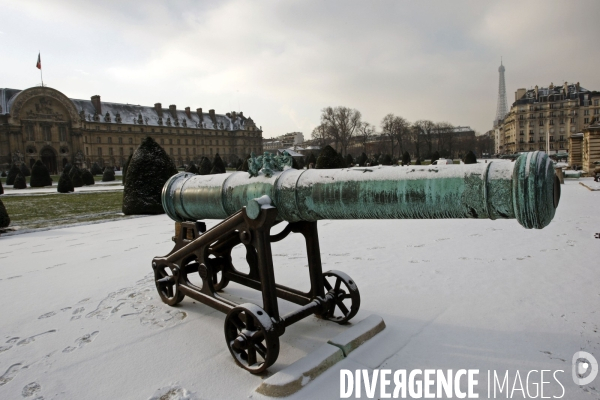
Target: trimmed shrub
244, 166
192, 168
96, 170
3, 174
328, 159
470, 158
386, 160
406, 158
311, 159
435, 157
25, 170
147, 173
67, 168
205, 166
418, 162
125, 166
20, 182
12, 174
349, 160
1, 188
362, 159
108, 175
87, 178
4, 218
218, 165
64, 183
239, 164
75, 175
341, 161
40, 176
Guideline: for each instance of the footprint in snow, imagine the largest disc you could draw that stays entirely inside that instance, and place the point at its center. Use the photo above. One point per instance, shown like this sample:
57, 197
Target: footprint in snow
10, 373
30, 389
47, 315
82, 341
77, 312
172, 393
30, 339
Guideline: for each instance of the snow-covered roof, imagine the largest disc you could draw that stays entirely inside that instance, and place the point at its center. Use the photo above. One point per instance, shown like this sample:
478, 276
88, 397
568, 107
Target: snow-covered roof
291, 152
134, 114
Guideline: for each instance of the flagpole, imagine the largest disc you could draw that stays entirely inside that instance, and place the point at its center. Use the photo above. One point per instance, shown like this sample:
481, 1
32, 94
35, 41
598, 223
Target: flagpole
41, 75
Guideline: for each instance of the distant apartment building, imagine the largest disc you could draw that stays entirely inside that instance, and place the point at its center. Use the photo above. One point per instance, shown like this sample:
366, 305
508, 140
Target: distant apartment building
545, 118
286, 141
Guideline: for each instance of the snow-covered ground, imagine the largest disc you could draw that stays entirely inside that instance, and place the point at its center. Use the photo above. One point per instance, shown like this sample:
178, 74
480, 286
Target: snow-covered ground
99, 186
81, 318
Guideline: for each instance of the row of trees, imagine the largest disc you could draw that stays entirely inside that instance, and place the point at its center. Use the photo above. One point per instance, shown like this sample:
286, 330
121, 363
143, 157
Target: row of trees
343, 128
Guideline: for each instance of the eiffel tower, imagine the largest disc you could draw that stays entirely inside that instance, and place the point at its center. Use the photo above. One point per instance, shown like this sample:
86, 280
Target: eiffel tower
502, 108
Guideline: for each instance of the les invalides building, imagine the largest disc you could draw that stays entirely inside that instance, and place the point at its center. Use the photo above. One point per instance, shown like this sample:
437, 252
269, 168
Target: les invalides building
41, 123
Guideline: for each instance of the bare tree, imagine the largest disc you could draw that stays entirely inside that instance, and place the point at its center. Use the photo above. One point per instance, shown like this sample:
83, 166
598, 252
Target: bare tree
343, 123
445, 136
416, 139
426, 130
321, 134
388, 129
401, 133
365, 131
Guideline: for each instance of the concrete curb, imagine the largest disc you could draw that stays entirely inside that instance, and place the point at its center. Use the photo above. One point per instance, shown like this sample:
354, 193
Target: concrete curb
349, 340
587, 187
294, 377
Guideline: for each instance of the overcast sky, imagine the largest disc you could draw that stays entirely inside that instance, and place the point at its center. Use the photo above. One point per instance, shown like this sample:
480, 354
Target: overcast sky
281, 62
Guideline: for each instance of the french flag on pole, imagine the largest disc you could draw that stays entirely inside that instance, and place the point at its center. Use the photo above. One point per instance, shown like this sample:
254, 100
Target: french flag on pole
39, 62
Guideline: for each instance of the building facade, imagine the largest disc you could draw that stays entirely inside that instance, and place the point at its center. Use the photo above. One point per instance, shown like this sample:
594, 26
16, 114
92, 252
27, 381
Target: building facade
286, 141
41, 123
545, 118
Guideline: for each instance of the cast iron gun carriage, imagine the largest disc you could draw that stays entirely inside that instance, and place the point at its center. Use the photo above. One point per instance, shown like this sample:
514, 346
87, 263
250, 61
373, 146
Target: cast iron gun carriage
526, 189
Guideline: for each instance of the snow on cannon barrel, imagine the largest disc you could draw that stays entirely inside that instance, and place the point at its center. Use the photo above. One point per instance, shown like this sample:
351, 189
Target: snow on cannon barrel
526, 189
251, 203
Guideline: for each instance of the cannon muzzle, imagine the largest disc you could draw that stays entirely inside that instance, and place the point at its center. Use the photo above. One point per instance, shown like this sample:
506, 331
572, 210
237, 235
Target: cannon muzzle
526, 189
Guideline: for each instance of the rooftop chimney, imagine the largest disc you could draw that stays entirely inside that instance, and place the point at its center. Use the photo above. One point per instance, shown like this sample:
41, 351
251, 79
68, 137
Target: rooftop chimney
242, 114
173, 110
188, 113
158, 108
97, 104
199, 112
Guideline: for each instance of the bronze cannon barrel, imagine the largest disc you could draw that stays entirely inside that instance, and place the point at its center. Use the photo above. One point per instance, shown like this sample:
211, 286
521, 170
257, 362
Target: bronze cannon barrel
526, 189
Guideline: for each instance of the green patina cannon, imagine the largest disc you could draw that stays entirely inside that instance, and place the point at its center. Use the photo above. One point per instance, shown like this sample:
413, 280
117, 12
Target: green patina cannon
250, 204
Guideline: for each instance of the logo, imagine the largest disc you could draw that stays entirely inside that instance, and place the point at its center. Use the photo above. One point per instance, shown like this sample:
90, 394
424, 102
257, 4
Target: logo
585, 368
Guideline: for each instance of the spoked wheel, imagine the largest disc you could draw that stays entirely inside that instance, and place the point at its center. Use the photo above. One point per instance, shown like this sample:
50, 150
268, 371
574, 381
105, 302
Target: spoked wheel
346, 296
166, 284
251, 339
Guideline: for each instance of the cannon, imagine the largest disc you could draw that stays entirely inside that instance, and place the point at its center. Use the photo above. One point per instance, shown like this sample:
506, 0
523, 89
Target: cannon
526, 190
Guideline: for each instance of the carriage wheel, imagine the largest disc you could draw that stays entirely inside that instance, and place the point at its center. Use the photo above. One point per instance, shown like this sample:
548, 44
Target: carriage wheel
166, 284
251, 338
346, 296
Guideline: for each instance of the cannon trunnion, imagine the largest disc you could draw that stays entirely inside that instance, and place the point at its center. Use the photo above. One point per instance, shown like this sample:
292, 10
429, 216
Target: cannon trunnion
526, 190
